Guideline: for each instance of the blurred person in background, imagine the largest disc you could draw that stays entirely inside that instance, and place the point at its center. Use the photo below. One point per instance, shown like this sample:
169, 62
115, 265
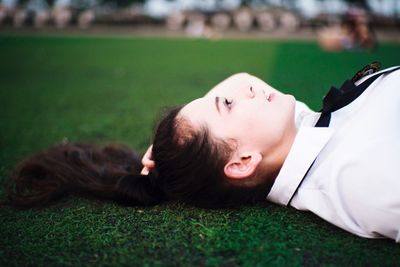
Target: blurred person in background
353, 33
67, 11
61, 13
36, 11
7, 9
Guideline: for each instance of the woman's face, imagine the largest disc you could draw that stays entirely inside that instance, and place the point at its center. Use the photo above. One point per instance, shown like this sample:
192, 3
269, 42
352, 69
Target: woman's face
246, 109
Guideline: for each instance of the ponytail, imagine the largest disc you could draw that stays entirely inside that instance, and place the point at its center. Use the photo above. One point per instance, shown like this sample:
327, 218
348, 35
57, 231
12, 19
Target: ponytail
139, 187
104, 172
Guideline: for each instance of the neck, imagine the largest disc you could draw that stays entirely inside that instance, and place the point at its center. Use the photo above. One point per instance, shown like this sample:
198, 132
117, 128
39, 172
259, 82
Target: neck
273, 160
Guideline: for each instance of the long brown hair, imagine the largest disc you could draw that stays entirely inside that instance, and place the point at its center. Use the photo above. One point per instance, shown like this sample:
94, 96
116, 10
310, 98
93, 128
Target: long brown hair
189, 168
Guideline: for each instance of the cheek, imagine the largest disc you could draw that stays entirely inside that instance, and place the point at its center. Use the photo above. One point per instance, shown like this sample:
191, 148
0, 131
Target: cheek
253, 117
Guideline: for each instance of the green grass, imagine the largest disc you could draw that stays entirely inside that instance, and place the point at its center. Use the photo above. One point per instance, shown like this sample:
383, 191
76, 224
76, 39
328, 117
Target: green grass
111, 89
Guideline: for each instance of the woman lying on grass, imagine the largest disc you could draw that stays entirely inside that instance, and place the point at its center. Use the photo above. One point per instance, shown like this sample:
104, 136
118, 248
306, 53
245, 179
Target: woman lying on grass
245, 142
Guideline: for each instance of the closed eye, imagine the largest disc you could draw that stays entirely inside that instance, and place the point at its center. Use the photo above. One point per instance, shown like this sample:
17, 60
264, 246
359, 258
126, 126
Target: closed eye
228, 103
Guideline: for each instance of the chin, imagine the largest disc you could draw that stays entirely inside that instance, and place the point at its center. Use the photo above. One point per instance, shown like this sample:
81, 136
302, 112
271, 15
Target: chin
291, 107
292, 101
291, 98
288, 101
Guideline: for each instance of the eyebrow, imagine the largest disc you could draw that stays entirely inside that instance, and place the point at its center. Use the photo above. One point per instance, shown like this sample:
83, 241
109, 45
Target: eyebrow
217, 103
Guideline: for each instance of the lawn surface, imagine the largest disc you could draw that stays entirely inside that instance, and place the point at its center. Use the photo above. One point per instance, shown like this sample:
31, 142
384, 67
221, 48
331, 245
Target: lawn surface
111, 89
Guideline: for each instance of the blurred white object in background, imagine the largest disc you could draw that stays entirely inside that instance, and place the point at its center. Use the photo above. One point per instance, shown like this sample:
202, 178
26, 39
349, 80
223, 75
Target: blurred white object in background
386, 8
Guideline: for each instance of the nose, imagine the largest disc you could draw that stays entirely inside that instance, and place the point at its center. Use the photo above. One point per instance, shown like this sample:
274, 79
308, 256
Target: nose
256, 92
252, 92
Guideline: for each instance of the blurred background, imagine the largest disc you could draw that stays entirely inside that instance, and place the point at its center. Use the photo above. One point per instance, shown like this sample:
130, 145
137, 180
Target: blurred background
65, 78
214, 18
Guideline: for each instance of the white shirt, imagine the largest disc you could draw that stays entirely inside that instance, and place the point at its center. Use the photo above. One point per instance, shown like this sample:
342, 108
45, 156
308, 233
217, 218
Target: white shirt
354, 182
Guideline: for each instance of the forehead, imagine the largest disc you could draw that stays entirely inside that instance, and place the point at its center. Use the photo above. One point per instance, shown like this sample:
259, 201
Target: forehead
198, 110
227, 86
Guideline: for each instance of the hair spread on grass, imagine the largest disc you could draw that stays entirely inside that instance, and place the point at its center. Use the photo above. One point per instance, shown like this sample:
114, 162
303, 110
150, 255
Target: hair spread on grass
189, 168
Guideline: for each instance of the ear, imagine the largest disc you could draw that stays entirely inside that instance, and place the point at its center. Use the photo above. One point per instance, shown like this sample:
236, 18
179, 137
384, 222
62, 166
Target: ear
243, 166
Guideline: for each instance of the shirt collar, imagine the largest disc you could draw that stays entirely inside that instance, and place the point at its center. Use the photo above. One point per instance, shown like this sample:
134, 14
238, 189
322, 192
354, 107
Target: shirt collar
307, 145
